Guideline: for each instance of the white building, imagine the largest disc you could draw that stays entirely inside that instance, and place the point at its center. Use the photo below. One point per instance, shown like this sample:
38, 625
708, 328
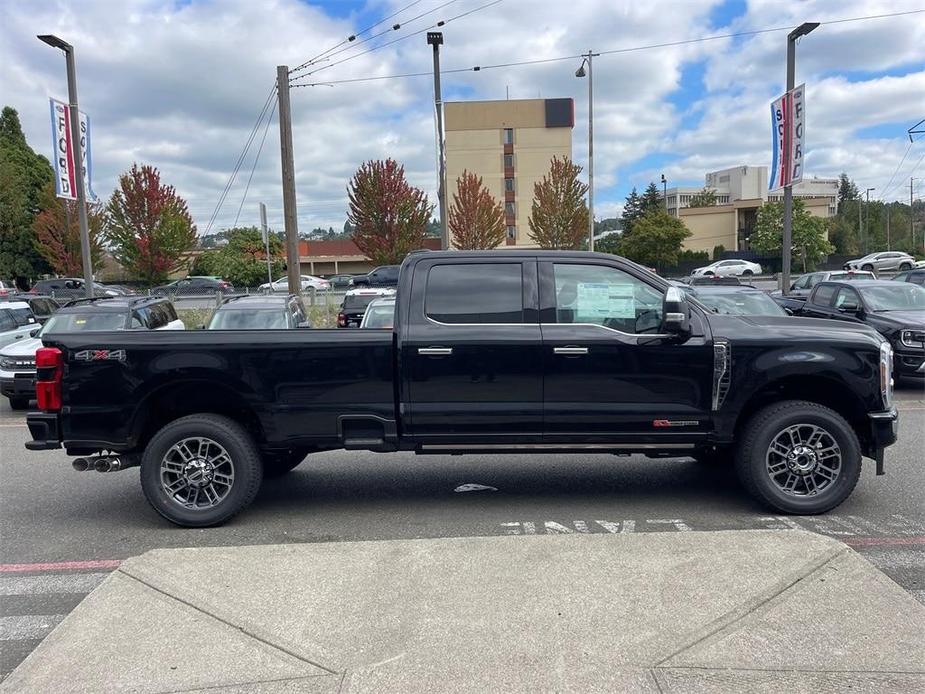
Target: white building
751, 183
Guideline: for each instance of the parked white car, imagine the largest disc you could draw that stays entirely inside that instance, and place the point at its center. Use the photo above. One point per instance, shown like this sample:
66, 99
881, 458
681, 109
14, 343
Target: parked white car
281, 286
728, 268
16, 322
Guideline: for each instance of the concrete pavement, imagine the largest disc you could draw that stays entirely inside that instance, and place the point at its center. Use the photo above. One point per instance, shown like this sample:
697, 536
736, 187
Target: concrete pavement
723, 611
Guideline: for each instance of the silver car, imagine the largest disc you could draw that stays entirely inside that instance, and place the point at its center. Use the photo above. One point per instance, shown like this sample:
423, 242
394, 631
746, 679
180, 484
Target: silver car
884, 260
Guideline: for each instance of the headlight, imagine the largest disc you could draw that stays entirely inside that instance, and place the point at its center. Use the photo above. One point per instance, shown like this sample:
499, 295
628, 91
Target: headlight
886, 374
913, 338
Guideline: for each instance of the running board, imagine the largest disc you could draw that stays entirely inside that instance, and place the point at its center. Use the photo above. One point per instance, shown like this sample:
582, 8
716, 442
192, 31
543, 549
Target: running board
456, 449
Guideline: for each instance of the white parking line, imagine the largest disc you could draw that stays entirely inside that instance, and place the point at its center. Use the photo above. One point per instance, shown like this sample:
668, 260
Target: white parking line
32, 626
51, 583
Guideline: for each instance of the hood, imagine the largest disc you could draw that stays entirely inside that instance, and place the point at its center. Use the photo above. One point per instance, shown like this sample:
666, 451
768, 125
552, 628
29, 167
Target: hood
905, 319
745, 328
22, 348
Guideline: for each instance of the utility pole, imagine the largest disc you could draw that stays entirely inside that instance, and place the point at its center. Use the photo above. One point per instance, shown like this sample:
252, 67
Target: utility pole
867, 214
77, 152
912, 219
888, 243
435, 39
266, 240
861, 239
290, 218
787, 240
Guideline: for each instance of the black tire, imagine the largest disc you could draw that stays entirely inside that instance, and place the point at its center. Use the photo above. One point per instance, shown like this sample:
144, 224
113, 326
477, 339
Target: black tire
240, 448
905, 266
747, 273
277, 464
19, 403
867, 268
757, 436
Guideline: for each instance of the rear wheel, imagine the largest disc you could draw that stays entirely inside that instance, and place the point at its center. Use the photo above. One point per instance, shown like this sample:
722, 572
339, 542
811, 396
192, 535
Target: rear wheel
19, 403
747, 273
799, 457
201, 470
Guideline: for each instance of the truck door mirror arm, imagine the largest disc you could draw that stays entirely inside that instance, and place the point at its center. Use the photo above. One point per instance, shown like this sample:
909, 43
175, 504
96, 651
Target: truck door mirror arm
676, 313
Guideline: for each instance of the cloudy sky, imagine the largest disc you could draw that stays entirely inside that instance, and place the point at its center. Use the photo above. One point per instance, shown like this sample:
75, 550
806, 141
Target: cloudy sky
180, 83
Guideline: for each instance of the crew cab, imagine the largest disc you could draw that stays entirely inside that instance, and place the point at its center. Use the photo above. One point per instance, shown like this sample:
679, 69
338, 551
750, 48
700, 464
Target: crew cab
894, 309
491, 352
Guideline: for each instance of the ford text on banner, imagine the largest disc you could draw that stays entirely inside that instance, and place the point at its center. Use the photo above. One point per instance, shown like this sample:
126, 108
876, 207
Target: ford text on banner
788, 126
63, 159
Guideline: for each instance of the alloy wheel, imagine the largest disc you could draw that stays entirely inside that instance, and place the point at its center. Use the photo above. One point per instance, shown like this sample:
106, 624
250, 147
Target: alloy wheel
803, 460
197, 473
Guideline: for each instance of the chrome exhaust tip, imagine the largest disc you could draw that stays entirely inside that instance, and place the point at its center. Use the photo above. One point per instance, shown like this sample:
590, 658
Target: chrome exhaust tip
81, 464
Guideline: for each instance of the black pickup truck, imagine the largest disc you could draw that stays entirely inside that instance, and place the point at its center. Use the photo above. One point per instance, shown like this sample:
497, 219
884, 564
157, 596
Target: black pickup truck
493, 351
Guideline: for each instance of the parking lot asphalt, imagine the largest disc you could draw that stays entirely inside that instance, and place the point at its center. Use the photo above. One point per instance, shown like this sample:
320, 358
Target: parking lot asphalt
62, 531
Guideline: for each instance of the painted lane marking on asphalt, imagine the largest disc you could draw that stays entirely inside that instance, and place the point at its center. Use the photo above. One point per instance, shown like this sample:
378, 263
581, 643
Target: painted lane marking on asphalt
61, 566
50, 583
32, 626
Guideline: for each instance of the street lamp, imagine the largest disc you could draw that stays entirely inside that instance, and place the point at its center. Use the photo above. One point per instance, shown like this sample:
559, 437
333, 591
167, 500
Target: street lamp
580, 72
867, 215
787, 240
665, 192
68, 49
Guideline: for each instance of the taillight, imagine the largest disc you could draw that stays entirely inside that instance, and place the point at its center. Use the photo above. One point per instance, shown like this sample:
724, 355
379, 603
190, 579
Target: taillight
49, 367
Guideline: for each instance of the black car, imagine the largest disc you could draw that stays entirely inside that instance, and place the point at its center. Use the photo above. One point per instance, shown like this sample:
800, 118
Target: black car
737, 301
560, 352
194, 286
341, 281
382, 276
354, 306
260, 312
916, 276
894, 309
72, 288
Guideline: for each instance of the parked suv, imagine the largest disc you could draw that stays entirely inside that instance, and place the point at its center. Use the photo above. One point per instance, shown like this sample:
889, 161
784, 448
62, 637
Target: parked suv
260, 313
17, 361
355, 303
886, 260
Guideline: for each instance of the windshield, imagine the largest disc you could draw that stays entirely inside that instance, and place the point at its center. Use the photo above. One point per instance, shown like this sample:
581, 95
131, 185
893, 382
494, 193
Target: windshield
905, 297
358, 301
77, 322
741, 303
379, 316
852, 276
241, 319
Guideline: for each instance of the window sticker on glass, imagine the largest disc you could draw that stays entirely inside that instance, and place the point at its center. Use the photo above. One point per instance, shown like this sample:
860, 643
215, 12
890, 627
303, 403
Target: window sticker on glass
597, 300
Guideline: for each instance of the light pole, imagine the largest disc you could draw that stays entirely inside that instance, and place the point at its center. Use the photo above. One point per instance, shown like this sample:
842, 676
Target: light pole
787, 240
580, 72
665, 194
77, 153
435, 39
867, 214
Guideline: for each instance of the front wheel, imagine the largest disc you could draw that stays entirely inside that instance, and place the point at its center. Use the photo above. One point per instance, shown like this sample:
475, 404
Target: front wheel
201, 470
747, 273
905, 266
867, 268
799, 457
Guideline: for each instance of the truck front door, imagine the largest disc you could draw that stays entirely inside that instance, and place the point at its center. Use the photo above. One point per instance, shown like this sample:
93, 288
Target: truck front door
471, 355
609, 374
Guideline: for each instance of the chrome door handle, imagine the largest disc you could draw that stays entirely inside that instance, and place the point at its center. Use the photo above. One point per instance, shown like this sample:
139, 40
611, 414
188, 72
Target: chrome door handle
435, 351
570, 351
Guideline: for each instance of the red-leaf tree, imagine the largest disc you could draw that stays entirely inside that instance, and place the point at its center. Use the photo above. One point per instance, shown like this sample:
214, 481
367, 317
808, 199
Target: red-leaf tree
57, 234
389, 216
559, 216
148, 226
476, 219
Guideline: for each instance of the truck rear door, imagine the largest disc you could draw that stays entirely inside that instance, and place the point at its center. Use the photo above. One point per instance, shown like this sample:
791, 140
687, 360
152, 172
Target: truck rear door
471, 351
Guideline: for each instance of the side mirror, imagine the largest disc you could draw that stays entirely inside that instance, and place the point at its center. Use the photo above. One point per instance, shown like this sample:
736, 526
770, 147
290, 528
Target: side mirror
676, 312
34, 332
849, 308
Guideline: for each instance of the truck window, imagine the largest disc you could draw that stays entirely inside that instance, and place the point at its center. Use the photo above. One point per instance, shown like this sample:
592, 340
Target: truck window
823, 295
606, 296
475, 293
847, 296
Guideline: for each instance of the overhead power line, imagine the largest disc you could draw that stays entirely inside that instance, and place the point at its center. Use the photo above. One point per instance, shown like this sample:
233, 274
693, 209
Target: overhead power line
886, 188
395, 27
436, 25
254, 166
614, 51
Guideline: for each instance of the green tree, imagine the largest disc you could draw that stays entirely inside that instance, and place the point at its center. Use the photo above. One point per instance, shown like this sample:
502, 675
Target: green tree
388, 214
148, 228
809, 242
24, 175
656, 239
847, 190
632, 210
559, 216
651, 199
243, 260
608, 244
705, 198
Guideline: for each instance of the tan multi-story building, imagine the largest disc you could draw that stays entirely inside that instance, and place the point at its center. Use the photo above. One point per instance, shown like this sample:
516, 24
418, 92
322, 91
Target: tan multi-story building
509, 144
